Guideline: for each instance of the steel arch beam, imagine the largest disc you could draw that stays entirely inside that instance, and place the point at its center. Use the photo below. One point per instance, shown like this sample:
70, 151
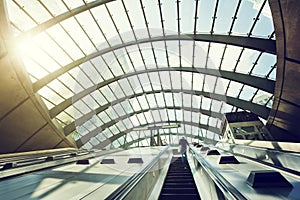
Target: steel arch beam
117, 136
257, 82
53, 21
257, 44
260, 110
96, 131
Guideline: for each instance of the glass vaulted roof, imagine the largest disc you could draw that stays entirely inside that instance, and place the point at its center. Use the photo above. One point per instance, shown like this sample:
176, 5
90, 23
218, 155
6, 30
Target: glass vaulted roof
114, 72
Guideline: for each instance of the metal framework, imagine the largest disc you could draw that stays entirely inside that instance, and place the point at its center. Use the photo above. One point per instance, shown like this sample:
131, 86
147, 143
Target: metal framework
254, 81
122, 49
129, 143
95, 132
260, 110
108, 141
264, 45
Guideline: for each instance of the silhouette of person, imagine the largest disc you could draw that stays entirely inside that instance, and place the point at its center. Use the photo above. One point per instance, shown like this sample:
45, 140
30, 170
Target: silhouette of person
183, 145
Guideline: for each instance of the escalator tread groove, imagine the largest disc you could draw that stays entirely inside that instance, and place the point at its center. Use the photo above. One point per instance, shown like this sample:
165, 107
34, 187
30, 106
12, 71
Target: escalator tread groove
179, 182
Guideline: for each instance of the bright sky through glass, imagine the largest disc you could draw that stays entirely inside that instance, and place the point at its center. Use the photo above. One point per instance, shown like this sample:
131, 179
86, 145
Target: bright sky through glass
104, 63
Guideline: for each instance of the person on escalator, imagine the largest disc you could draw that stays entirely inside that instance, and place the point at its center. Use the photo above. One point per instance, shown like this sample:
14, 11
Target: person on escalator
183, 145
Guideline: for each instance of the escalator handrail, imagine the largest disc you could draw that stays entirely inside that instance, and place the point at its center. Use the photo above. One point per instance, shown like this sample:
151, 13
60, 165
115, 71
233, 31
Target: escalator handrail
228, 189
126, 187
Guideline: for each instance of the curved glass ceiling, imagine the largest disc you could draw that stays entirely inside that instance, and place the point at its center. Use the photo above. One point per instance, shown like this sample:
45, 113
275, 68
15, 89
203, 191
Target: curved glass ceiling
109, 71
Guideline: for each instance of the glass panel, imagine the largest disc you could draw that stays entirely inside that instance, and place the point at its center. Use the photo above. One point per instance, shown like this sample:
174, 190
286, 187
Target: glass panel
141, 118
102, 68
247, 12
216, 105
116, 89
205, 103
186, 80
215, 55
136, 17
200, 54
148, 117
160, 100
209, 85
143, 102
247, 93
91, 72
111, 113
104, 117
264, 65
80, 76
225, 13
36, 10
148, 55
177, 99
135, 104
234, 89
156, 115
126, 87
264, 25
49, 94
164, 115
106, 91
187, 99
166, 83
120, 126
105, 23
120, 109
230, 58
152, 101
121, 20
89, 26
203, 119
155, 81
134, 121
61, 37
169, 99
179, 115
169, 16
205, 14
135, 83
173, 53
187, 14
247, 60
195, 117
221, 86
171, 114
76, 32
196, 101
73, 112
198, 81
56, 7
263, 98
187, 116
99, 97
176, 80
53, 50
212, 122
160, 53
61, 89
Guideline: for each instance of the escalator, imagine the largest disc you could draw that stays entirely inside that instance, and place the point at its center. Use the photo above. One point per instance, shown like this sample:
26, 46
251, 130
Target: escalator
179, 182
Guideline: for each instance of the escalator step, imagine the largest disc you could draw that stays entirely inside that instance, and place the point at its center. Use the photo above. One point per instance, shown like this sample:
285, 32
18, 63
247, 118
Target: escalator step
179, 182
179, 185
179, 191
179, 197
